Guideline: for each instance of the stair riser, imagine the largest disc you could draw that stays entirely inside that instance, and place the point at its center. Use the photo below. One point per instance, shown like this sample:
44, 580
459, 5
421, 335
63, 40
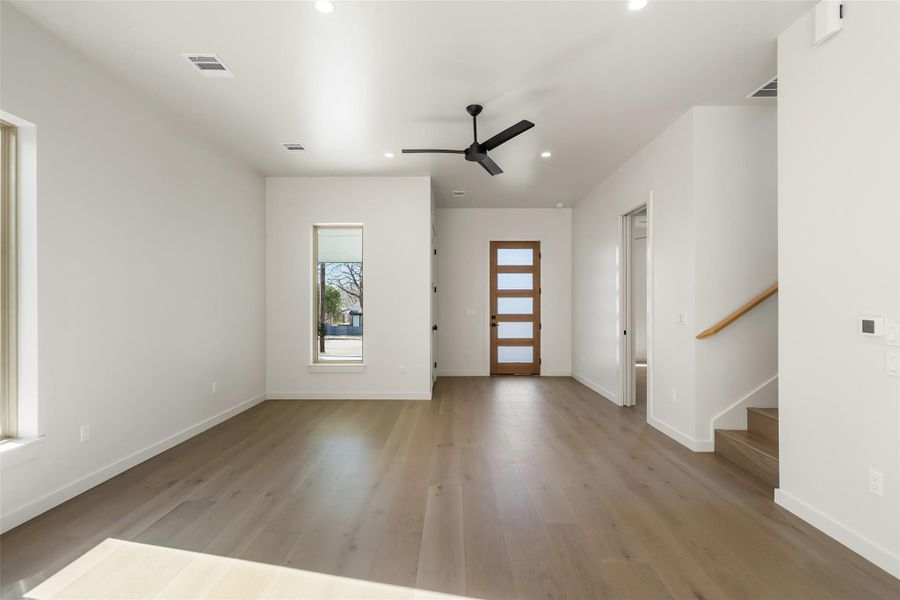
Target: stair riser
763, 466
762, 426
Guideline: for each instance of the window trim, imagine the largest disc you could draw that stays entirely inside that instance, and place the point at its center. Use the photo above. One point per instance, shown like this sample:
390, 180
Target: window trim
9, 233
315, 363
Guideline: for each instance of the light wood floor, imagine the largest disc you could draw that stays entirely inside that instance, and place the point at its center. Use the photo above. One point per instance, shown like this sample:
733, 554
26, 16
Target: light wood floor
507, 487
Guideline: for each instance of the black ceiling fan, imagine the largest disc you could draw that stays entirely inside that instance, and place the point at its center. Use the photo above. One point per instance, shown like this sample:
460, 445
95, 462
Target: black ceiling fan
479, 152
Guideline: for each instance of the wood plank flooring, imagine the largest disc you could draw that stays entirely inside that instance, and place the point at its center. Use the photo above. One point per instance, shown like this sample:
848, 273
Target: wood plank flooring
505, 487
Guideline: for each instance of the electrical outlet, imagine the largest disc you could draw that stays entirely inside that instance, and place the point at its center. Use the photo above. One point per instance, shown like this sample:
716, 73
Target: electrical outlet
674, 395
85, 433
402, 369
214, 388
876, 482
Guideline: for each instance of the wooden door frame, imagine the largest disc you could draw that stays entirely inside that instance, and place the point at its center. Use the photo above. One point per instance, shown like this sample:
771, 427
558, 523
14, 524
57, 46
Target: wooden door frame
626, 321
495, 368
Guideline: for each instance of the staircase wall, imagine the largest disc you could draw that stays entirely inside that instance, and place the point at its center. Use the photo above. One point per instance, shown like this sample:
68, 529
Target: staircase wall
736, 254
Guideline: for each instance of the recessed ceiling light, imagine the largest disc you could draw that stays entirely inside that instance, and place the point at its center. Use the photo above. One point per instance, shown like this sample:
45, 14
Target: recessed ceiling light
389, 155
324, 6
292, 147
635, 4
559, 205
546, 154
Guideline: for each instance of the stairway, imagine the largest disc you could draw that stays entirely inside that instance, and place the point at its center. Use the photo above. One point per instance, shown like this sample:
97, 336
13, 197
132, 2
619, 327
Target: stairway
755, 449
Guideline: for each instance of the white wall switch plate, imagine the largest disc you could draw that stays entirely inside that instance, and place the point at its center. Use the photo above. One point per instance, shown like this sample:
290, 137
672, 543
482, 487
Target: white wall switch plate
85, 433
892, 334
682, 318
470, 312
876, 482
893, 363
214, 387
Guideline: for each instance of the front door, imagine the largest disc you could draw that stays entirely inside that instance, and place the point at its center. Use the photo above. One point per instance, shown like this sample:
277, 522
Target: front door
515, 308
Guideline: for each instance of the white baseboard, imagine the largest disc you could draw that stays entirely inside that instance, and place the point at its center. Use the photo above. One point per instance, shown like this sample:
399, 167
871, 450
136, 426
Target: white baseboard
349, 395
485, 374
871, 551
68, 491
681, 437
462, 374
596, 387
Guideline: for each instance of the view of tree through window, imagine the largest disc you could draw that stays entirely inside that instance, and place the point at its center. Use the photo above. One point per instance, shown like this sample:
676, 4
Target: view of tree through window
339, 294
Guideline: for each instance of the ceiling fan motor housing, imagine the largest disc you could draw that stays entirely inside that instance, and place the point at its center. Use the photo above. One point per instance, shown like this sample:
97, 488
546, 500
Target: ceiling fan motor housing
475, 152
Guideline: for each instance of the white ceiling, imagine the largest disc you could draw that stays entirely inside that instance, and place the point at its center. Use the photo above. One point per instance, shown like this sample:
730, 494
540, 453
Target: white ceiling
598, 80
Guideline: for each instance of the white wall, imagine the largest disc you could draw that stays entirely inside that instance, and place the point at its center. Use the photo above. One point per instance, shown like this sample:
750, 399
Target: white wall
665, 167
735, 254
463, 240
711, 238
396, 216
150, 246
839, 258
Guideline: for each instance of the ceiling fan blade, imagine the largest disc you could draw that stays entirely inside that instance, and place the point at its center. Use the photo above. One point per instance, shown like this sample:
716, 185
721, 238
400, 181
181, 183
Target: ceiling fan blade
490, 166
507, 134
430, 151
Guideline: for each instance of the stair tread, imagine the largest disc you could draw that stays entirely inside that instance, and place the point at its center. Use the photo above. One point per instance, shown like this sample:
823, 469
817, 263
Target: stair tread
772, 413
747, 438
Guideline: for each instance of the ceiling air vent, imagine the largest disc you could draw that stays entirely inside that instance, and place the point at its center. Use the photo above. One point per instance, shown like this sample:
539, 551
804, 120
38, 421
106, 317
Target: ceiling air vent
458, 193
294, 147
209, 65
767, 90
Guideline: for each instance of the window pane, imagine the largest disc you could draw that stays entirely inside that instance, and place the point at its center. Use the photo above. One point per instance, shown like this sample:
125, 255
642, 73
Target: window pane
339, 294
515, 256
515, 329
515, 354
515, 281
515, 306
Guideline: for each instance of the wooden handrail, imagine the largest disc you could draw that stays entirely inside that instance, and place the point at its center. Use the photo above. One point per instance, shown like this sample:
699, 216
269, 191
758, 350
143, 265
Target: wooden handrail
738, 313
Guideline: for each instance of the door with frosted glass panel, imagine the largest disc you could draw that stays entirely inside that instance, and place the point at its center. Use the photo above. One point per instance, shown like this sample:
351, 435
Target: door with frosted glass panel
515, 308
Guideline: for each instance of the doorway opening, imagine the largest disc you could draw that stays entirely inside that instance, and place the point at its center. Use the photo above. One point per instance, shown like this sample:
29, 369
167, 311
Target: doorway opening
515, 303
636, 315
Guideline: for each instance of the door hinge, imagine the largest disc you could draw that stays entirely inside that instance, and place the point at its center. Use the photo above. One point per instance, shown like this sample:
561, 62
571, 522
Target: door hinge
435, 289
540, 325
624, 332
435, 251
435, 365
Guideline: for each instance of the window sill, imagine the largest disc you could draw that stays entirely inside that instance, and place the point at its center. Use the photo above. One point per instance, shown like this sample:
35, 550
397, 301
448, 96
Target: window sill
336, 368
17, 451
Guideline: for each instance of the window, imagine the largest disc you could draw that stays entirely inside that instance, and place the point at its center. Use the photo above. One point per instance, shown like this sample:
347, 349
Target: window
338, 283
8, 261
